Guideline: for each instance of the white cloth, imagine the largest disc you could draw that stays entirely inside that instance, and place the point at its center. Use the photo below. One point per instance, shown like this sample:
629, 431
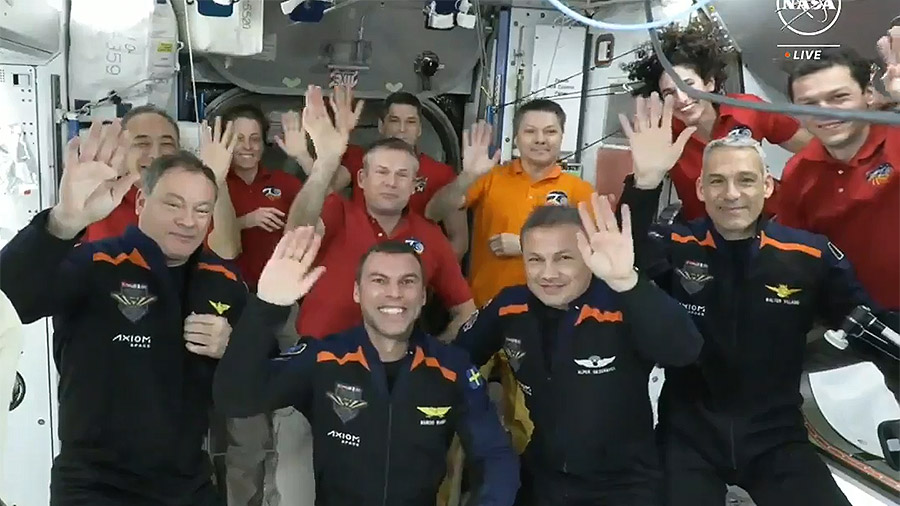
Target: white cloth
127, 47
240, 34
11, 340
854, 401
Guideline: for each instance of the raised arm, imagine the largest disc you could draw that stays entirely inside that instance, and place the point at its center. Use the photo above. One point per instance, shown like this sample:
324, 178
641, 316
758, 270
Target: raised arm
216, 148
295, 144
669, 337
476, 163
330, 140
654, 154
41, 270
889, 48
246, 381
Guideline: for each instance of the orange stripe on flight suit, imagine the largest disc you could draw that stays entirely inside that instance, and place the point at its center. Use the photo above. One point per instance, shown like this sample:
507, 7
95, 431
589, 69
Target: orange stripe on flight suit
764, 240
420, 358
133, 257
513, 309
684, 239
221, 269
356, 356
600, 316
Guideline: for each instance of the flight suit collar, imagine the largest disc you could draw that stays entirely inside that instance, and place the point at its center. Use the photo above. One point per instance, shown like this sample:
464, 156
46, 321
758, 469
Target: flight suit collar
516, 167
150, 250
373, 361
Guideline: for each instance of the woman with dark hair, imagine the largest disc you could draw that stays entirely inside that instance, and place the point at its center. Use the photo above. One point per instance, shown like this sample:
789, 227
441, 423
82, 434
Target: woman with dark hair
700, 60
261, 198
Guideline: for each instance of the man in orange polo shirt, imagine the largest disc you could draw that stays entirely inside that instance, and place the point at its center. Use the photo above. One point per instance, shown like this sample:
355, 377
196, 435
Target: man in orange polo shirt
701, 61
401, 118
845, 185
501, 198
154, 133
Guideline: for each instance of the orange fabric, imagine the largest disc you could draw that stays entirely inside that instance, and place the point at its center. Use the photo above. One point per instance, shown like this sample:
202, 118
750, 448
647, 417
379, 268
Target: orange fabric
420, 358
134, 257
600, 316
501, 201
356, 357
765, 240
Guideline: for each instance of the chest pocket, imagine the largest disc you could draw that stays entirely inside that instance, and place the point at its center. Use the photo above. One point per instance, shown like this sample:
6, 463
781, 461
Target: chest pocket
430, 413
693, 280
598, 348
215, 290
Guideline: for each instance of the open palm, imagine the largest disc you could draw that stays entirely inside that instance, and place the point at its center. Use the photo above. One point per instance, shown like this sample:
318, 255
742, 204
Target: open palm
476, 147
889, 49
329, 140
288, 275
95, 177
650, 138
217, 146
608, 251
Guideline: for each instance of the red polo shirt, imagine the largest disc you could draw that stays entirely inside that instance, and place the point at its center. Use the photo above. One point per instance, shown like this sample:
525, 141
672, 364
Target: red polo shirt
270, 188
114, 225
856, 205
349, 233
432, 176
775, 128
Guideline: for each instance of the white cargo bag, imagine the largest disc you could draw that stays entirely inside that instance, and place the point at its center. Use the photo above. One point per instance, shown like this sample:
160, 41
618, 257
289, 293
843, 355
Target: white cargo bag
237, 34
130, 47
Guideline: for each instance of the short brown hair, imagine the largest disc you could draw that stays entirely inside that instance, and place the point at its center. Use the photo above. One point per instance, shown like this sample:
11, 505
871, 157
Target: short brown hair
551, 216
539, 105
390, 248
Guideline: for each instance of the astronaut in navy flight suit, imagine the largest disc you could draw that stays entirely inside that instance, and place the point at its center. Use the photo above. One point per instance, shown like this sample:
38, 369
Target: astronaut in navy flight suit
140, 322
754, 288
582, 337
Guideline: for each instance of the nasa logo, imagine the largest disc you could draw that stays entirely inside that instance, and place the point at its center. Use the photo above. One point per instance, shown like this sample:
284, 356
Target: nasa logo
808, 17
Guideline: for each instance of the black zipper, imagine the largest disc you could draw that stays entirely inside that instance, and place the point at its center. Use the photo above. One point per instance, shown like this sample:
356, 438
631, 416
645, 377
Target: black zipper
387, 460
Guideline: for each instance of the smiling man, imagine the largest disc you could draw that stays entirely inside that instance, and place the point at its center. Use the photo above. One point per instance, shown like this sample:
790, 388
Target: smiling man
351, 227
845, 183
140, 321
754, 289
701, 61
581, 347
384, 398
501, 197
401, 118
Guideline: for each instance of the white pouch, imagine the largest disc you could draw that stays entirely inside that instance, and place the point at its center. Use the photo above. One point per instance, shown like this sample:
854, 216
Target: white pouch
127, 47
237, 34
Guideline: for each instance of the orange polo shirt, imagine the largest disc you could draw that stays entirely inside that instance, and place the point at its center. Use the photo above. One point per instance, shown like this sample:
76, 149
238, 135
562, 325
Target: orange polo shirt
501, 201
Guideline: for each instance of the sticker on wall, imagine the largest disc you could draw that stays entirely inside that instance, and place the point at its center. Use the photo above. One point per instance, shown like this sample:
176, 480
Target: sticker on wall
343, 77
291, 82
393, 87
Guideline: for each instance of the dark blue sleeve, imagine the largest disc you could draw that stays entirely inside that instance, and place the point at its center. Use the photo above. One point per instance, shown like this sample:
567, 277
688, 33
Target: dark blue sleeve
43, 275
480, 336
248, 382
841, 292
651, 236
494, 463
670, 337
